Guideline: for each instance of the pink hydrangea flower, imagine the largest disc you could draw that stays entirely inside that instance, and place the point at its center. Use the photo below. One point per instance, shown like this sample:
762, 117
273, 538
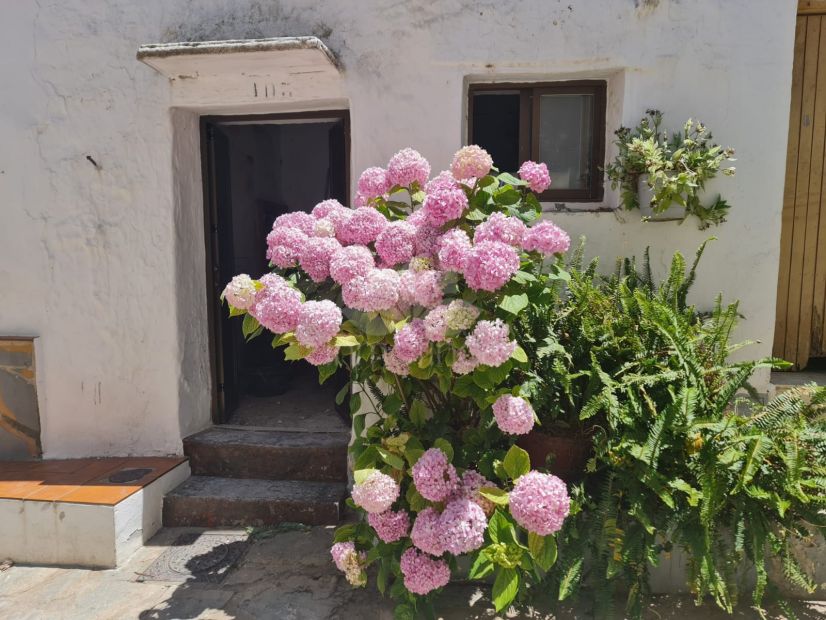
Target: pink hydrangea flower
339, 217
423, 574
284, 246
377, 493
471, 161
323, 354
427, 532
435, 324
500, 227
373, 183
453, 249
324, 228
326, 207
363, 226
410, 342
316, 255
540, 502
396, 243
490, 343
461, 315
514, 415
443, 205
277, 305
240, 292
536, 175
350, 562
318, 323
443, 180
391, 525
297, 219
395, 365
472, 482
360, 200
433, 476
350, 262
407, 167
489, 265
464, 363
546, 238
377, 291
427, 288
463, 525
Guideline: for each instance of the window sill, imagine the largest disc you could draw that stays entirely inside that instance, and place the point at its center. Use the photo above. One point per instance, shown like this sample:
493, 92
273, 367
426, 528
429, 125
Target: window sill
576, 207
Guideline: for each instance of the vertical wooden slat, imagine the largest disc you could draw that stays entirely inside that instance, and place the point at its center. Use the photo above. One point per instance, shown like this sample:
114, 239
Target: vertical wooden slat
787, 228
817, 331
804, 160
812, 200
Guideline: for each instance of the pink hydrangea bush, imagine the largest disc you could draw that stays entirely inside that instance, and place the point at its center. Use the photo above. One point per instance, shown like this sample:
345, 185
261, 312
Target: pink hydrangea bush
414, 292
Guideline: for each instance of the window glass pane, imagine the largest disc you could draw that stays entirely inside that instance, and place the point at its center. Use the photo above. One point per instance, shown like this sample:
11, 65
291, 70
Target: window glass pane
565, 139
496, 127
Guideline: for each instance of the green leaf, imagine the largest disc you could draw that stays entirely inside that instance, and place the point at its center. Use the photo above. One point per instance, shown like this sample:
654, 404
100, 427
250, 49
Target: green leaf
355, 402
505, 588
345, 533
249, 326
516, 462
514, 303
384, 573
346, 341
414, 499
394, 460
500, 529
233, 311
413, 455
481, 568
342, 393
360, 475
543, 550
570, 579
519, 354
507, 177
404, 611
444, 446
295, 351
392, 404
326, 371
367, 459
418, 412
495, 494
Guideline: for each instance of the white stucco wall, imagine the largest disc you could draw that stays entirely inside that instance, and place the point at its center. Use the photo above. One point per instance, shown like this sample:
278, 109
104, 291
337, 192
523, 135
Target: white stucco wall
106, 264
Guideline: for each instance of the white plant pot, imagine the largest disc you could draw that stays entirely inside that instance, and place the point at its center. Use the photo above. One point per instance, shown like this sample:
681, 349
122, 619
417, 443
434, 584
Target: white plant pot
645, 193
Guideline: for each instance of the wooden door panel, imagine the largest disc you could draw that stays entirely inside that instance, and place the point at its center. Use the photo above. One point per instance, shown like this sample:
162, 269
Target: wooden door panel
802, 276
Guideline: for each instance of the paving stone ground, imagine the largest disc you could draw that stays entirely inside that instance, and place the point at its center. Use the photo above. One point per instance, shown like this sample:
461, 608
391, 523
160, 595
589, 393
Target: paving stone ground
282, 576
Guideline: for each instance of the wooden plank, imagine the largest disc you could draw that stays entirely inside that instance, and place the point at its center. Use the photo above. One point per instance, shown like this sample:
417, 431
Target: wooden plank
787, 219
817, 331
813, 199
811, 7
804, 160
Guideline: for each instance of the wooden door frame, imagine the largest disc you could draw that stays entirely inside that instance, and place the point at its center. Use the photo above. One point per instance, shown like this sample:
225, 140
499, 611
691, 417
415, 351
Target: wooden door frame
211, 228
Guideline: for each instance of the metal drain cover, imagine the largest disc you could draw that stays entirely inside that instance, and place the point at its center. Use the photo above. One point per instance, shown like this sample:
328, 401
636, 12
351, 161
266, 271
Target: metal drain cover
198, 557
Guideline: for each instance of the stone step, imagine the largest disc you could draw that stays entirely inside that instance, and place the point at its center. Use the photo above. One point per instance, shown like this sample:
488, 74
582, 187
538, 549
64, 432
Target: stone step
207, 501
268, 454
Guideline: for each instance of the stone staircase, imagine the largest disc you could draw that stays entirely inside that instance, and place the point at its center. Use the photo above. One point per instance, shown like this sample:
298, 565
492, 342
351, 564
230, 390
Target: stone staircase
245, 477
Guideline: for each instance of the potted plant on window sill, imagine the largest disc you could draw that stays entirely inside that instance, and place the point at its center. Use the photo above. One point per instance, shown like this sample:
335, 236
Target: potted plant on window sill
665, 177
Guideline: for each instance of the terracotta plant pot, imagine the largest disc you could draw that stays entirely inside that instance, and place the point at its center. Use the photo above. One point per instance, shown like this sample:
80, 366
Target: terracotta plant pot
565, 456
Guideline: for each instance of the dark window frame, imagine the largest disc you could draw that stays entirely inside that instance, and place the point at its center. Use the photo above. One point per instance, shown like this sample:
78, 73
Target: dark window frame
529, 98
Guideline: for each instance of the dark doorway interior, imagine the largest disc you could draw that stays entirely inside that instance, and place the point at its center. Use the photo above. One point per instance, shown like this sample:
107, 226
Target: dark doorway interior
255, 169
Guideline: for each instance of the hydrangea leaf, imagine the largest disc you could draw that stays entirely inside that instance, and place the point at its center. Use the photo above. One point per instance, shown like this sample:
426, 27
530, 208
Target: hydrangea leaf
505, 588
360, 475
495, 494
516, 462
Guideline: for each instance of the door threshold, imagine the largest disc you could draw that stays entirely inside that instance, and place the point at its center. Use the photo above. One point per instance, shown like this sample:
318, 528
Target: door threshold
284, 429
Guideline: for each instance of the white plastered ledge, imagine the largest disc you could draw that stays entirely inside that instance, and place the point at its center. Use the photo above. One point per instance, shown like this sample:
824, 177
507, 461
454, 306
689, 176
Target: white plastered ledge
249, 72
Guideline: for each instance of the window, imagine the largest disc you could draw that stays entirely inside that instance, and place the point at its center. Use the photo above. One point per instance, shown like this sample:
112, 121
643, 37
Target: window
560, 123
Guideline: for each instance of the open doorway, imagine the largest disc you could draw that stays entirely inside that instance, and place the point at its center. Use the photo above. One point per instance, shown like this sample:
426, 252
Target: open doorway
255, 169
